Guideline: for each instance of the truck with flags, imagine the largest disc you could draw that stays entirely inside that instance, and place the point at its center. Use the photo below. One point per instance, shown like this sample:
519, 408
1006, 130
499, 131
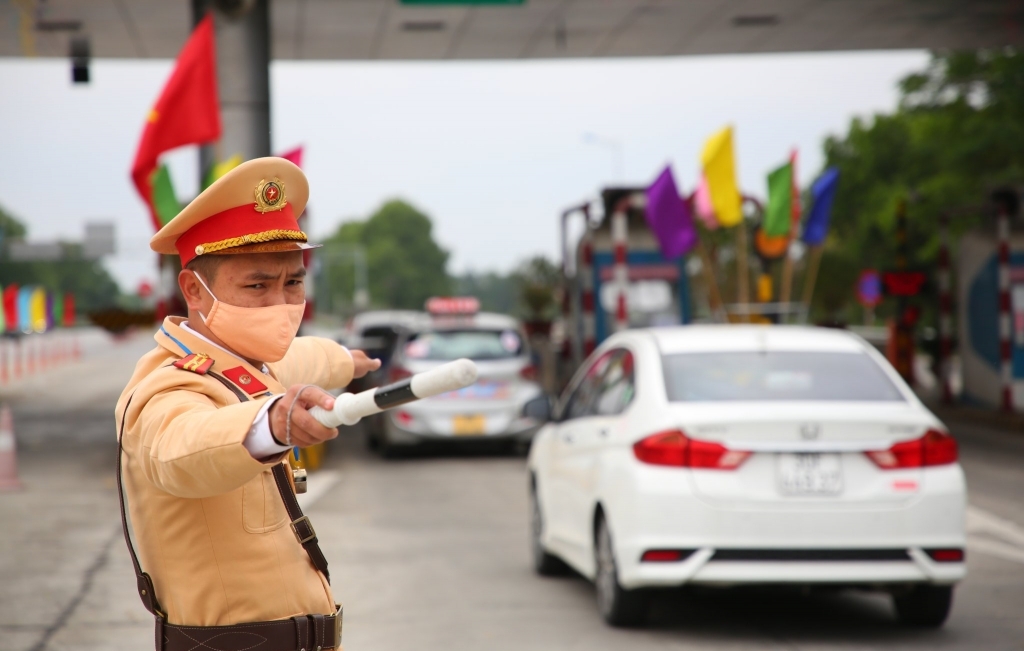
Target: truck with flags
636, 264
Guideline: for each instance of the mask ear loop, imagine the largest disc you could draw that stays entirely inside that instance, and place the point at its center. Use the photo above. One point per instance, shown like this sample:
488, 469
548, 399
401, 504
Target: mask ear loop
215, 299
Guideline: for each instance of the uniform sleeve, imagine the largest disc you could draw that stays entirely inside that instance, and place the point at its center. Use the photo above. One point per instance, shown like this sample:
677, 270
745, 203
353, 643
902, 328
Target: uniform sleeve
188, 447
315, 360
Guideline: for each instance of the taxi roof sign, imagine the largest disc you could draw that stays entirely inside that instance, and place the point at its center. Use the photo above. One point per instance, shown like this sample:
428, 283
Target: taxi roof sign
453, 305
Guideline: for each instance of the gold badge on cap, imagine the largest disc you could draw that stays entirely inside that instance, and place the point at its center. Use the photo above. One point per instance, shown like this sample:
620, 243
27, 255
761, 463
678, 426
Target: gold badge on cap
270, 195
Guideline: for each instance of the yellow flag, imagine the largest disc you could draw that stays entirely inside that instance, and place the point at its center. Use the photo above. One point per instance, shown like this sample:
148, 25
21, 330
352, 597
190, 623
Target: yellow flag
720, 171
37, 308
220, 169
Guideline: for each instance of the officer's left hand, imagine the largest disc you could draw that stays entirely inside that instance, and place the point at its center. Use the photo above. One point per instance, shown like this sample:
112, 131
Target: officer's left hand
363, 364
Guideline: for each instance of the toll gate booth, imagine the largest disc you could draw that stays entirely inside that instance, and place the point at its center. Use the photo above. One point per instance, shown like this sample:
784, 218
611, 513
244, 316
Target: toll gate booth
658, 290
992, 362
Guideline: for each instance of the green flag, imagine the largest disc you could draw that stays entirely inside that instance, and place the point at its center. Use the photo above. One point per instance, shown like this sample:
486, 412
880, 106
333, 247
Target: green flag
58, 309
164, 200
779, 216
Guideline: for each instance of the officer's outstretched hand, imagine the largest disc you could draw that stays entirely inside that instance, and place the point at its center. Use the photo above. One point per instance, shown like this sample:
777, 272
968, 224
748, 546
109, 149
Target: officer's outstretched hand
305, 429
362, 363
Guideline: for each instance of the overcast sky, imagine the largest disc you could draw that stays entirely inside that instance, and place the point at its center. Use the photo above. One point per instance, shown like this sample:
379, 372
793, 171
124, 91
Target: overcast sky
491, 151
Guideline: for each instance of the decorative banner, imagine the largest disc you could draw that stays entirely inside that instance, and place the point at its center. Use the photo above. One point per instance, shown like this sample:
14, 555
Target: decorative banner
220, 169
770, 247
69, 310
778, 218
795, 201
25, 309
823, 193
295, 156
904, 283
37, 306
57, 310
702, 204
719, 163
869, 288
165, 201
10, 299
48, 310
3, 318
669, 217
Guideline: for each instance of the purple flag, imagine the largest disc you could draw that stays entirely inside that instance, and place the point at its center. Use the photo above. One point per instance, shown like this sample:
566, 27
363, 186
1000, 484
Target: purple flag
669, 217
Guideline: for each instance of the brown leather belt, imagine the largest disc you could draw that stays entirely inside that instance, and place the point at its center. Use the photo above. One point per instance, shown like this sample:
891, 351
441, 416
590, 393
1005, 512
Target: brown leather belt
310, 633
301, 633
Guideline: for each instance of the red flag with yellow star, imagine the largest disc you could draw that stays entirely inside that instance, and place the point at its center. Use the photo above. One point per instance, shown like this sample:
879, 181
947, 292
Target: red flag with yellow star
186, 113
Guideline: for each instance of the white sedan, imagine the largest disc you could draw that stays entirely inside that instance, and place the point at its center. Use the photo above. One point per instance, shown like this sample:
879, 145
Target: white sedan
733, 455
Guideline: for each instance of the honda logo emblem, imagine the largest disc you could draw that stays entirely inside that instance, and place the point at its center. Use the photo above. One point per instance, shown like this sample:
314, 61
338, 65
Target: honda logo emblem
810, 431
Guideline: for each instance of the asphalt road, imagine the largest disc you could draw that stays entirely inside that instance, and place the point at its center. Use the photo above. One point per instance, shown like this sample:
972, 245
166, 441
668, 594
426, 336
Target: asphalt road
430, 552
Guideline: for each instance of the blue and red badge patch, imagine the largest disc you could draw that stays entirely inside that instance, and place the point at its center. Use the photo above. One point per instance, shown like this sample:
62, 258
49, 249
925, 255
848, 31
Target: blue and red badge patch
243, 378
196, 362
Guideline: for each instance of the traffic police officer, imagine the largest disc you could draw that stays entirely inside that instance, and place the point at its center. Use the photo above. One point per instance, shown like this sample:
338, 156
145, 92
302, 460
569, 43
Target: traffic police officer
207, 421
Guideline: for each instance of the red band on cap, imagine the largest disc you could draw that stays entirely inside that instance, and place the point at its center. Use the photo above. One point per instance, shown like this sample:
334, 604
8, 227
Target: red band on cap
232, 223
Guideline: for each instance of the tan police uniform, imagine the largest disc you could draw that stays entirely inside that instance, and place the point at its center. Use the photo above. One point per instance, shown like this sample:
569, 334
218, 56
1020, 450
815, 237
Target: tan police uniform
210, 523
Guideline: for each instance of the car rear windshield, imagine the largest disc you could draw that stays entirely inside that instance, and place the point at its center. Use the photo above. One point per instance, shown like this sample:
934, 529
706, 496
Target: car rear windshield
445, 345
699, 377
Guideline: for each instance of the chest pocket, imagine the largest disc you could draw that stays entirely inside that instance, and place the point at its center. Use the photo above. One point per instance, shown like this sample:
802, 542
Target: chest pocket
262, 508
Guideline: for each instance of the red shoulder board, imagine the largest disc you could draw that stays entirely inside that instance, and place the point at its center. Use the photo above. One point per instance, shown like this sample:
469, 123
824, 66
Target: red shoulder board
245, 379
196, 362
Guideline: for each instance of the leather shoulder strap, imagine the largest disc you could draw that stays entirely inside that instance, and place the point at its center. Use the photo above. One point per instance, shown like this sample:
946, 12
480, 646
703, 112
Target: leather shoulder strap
142, 580
301, 526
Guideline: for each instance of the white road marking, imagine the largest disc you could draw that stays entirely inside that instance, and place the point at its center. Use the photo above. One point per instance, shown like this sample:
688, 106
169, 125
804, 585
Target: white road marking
319, 482
983, 526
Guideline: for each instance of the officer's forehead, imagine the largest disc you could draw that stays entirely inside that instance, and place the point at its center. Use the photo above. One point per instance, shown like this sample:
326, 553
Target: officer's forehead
272, 264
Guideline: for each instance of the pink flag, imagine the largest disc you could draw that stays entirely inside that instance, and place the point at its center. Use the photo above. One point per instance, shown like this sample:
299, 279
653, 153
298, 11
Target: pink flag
295, 156
705, 209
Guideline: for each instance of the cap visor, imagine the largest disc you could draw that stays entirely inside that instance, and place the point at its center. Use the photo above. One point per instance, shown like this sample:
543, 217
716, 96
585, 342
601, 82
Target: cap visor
276, 246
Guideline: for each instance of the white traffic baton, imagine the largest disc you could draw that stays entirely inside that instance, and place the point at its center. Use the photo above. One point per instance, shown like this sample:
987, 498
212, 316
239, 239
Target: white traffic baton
350, 408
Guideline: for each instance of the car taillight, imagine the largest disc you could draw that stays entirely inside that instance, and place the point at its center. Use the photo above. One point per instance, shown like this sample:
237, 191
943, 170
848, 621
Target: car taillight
528, 373
403, 417
935, 448
398, 373
673, 448
954, 555
665, 555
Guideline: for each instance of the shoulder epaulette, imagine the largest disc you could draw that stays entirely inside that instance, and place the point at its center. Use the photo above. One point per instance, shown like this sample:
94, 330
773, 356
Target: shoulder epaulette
199, 363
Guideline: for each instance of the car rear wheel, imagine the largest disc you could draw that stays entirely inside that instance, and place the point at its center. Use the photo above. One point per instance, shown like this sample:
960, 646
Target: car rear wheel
544, 563
925, 605
618, 606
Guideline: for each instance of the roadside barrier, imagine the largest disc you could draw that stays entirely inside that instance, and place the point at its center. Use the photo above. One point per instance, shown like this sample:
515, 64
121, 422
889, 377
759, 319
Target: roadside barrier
8, 451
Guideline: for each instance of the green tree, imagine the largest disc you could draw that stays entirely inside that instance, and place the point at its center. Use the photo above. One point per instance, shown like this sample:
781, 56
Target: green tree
93, 287
405, 266
957, 133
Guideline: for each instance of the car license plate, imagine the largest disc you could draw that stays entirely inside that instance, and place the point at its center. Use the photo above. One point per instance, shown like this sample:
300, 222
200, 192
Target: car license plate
810, 473
468, 425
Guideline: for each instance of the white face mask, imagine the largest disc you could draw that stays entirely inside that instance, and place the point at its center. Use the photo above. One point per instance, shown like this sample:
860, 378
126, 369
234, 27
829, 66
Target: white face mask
260, 333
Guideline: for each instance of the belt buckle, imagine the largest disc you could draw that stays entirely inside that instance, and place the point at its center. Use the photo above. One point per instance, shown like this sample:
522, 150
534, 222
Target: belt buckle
337, 626
295, 530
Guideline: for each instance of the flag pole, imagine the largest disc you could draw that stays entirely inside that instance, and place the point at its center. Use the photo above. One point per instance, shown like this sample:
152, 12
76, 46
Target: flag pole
786, 291
811, 275
742, 269
714, 295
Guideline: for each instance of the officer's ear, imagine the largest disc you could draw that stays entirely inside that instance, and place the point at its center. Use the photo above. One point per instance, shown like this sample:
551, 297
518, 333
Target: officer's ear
191, 289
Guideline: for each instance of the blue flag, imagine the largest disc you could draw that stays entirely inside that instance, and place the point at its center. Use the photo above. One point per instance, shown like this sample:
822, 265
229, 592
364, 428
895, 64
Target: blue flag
823, 192
669, 217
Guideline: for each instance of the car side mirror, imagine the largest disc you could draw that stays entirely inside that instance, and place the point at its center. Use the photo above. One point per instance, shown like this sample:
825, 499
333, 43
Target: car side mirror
538, 409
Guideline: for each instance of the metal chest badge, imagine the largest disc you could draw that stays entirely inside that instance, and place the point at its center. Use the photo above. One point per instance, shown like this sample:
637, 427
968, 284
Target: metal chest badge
270, 195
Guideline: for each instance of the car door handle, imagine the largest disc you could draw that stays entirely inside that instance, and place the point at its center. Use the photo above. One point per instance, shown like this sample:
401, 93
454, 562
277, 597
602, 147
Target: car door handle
567, 438
603, 432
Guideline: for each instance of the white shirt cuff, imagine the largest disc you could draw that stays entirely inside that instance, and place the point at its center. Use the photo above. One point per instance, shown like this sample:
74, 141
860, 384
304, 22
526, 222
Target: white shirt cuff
259, 441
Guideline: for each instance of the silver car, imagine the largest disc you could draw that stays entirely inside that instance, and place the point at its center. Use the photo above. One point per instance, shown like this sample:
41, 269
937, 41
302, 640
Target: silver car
491, 409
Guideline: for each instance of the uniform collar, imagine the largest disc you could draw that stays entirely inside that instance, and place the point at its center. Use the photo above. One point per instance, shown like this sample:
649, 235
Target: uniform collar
181, 341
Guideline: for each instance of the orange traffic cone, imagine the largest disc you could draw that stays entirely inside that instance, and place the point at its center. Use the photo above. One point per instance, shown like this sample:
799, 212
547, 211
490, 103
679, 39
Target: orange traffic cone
8, 451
